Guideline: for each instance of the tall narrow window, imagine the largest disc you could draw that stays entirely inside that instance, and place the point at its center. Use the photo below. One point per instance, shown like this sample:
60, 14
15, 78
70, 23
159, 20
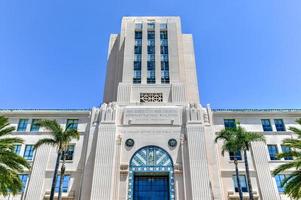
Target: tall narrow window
72, 124
279, 179
164, 55
137, 55
279, 125
24, 180
266, 125
22, 125
151, 62
229, 123
243, 183
65, 184
28, 153
34, 125
273, 151
286, 149
17, 149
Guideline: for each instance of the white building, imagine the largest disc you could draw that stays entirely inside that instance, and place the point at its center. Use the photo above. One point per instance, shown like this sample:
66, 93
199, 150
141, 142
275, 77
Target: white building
151, 139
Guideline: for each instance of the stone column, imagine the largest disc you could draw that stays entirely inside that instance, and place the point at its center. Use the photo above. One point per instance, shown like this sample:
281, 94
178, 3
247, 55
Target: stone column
116, 172
199, 175
35, 190
103, 163
261, 164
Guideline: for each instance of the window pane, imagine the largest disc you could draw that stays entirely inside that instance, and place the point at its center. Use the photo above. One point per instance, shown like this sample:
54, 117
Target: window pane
266, 125
138, 34
279, 125
34, 125
273, 151
18, 149
151, 26
229, 123
72, 124
22, 125
65, 184
24, 180
29, 151
243, 183
279, 178
286, 149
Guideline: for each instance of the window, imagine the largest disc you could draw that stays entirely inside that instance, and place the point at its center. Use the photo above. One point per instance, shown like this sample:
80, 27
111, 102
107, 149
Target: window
72, 124
22, 125
150, 35
65, 184
266, 125
138, 49
229, 123
151, 42
138, 42
243, 183
235, 154
28, 153
163, 35
24, 180
286, 149
138, 34
138, 26
163, 42
164, 57
69, 153
34, 125
137, 65
17, 149
164, 49
151, 57
279, 125
151, 49
273, 151
163, 26
151, 26
279, 178
137, 57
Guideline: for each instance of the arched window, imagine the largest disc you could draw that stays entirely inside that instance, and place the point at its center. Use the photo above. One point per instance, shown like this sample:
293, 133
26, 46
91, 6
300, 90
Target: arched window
151, 166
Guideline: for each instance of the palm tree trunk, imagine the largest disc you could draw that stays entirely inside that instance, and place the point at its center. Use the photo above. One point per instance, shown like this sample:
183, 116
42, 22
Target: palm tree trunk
62, 176
237, 179
55, 175
248, 176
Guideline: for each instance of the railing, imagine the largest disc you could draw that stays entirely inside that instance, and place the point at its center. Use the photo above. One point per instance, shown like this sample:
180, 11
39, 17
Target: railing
65, 196
235, 196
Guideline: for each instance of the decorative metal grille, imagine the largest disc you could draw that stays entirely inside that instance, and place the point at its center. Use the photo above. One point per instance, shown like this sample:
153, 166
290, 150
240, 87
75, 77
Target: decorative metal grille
151, 159
151, 97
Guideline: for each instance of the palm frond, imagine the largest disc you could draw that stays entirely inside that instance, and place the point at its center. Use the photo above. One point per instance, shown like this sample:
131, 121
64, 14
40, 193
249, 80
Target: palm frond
46, 141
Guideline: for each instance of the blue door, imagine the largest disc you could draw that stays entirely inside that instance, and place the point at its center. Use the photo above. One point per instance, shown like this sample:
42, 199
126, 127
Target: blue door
151, 188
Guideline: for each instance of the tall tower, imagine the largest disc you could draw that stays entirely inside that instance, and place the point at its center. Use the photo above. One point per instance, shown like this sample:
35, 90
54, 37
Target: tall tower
149, 138
151, 56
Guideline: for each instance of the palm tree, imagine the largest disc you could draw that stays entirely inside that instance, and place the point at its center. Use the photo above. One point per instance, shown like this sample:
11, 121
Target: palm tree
229, 144
240, 141
60, 139
246, 138
11, 164
292, 182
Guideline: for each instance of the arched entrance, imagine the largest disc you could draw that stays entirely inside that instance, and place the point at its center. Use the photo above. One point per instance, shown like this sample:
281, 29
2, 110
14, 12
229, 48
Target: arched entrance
151, 175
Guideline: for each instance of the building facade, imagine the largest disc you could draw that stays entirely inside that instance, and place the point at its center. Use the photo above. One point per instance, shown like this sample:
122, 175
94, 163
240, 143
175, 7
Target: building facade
151, 138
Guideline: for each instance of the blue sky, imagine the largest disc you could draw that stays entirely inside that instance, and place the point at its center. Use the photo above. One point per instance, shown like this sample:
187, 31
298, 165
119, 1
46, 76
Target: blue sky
53, 52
